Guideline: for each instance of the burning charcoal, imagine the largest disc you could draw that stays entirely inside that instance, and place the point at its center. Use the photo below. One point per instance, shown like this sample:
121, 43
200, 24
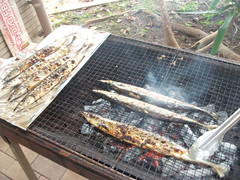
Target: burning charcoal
100, 106
201, 116
132, 154
86, 129
220, 157
210, 107
172, 166
119, 113
188, 136
151, 124
131, 118
108, 148
230, 151
222, 116
228, 148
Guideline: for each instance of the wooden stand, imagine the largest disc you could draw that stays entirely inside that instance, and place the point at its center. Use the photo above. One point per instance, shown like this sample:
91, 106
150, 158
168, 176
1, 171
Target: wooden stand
21, 158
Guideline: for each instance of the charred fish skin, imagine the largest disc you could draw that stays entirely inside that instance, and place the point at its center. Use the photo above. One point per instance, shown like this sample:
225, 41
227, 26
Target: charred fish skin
51, 81
30, 61
147, 140
34, 79
40, 64
34, 68
157, 98
44, 87
42, 53
150, 109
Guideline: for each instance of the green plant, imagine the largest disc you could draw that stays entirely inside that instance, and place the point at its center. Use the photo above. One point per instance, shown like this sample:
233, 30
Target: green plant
230, 8
192, 6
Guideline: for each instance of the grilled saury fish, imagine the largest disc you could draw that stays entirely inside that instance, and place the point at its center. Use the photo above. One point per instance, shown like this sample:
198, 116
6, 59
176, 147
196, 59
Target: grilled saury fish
157, 98
150, 109
51, 81
26, 74
34, 79
147, 140
42, 53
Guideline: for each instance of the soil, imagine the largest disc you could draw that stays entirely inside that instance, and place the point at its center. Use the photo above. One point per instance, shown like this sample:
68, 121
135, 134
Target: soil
140, 25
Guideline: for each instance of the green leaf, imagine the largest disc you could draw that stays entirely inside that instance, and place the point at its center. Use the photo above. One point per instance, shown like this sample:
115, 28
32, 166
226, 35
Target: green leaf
213, 5
219, 22
205, 22
199, 12
220, 35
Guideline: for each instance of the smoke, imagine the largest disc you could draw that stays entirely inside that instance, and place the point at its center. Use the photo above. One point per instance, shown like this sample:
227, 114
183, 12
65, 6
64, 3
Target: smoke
163, 87
188, 82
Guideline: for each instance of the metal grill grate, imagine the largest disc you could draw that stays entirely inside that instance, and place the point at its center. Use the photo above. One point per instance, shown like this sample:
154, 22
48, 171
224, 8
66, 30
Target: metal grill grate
193, 78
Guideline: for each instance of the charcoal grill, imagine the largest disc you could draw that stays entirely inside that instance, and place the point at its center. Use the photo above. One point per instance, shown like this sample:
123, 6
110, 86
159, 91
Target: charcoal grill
199, 79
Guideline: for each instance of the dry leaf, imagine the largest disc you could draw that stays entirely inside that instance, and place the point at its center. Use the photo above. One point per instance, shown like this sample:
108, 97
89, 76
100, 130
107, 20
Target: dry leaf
125, 31
133, 2
132, 18
150, 24
119, 20
142, 34
93, 27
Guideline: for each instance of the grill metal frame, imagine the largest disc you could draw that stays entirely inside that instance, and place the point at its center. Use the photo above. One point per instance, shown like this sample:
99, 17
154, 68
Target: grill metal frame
130, 61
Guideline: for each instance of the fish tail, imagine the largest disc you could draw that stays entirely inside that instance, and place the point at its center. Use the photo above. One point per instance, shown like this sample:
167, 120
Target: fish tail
210, 127
220, 170
212, 114
68, 45
6, 85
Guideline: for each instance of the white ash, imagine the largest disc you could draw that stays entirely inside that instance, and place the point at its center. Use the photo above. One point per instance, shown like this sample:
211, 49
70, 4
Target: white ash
132, 154
198, 115
130, 118
228, 148
109, 148
150, 124
99, 106
87, 129
222, 116
210, 108
196, 173
188, 136
219, 156
171, 166
230, 151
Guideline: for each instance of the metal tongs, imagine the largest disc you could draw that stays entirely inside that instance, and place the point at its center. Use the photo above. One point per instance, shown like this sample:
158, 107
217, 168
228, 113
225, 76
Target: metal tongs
209, 142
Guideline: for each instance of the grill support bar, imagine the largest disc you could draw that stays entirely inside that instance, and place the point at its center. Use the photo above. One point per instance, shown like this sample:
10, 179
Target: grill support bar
21, 158
72, 161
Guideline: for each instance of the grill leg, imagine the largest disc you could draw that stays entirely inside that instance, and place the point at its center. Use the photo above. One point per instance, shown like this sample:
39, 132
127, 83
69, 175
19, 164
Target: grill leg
21, 158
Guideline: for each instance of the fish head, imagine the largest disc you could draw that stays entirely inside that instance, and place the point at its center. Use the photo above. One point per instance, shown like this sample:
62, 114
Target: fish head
93, 119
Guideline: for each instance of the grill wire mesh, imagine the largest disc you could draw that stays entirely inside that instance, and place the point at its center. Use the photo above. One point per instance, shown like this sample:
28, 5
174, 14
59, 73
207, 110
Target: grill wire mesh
190, 77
